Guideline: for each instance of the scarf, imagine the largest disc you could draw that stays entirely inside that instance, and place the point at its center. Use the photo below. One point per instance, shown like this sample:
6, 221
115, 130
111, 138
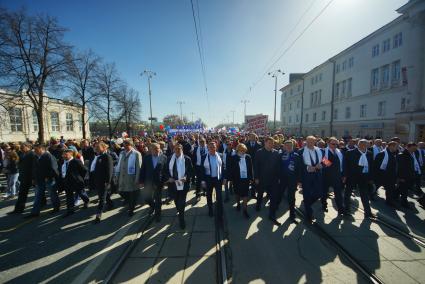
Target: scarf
207, 165
93, 164
384, 161
181, 170
243, 171
376, 150
131, 164
415, 161
307, 157
198, 155
363, 162
338, 153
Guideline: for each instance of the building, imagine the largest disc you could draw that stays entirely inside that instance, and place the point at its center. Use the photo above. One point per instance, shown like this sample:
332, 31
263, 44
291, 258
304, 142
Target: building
18, 119
375, 88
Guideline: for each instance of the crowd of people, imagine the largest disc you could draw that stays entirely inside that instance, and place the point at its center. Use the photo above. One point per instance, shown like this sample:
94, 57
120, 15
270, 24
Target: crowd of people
244, 166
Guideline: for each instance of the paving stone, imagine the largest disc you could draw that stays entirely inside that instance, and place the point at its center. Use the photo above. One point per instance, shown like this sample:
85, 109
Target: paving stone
388, 272
200, 270
202, 244
176, 244
414, 269
168, 270
204, 224
135, 270
408, 246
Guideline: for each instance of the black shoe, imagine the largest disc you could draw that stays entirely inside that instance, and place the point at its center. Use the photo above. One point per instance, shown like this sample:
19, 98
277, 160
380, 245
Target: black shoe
32, 215
67, 214
109, 206
274, 221
245, 214
370, 215
96, 220
292, 218
238, 207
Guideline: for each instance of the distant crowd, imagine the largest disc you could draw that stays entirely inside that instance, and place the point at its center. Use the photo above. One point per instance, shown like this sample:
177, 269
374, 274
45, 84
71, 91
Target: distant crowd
244, 166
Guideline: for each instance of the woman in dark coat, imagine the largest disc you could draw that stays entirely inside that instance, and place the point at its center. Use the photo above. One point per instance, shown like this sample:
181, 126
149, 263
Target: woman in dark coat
241, 174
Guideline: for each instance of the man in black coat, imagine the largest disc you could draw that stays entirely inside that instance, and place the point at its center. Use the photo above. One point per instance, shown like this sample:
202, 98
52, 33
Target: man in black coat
358, 168
26, 166
198, 158
102, 170
408, 169
45, 174
253, 146
385, 172
72, 172
152, 178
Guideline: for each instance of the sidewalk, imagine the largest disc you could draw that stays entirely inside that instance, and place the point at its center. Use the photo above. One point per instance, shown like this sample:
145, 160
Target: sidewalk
167, 254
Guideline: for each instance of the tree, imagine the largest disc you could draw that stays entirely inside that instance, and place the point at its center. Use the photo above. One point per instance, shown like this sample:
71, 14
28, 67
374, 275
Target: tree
173, 120
33, 58
129, 103
82, 70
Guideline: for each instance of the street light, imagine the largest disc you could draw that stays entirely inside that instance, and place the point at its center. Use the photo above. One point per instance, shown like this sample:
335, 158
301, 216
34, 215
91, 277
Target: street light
149, 74
274, 75
181, 109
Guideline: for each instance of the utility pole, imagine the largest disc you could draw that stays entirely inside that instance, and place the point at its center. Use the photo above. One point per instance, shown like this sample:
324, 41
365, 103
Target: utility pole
274, 75
233, 117
244, 109
181, 109
149, 74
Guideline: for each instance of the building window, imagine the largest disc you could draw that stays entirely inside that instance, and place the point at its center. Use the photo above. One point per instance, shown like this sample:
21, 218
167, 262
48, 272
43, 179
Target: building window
347, 112
311, 99
349, 82
344, 83
403, 104
398, 40
363, 110
337, 68
314, 116
290, 106
386, 44
381, 108
337, 91
291, 92
375, 50
15, 115
395, 72
385, 76
306, 117
344, 65
54, 120
375, 79
351, 62
319, 101
34, 121
312, 80
299, 88
69, 122
298, 104
335, 114
324, 115
320, 77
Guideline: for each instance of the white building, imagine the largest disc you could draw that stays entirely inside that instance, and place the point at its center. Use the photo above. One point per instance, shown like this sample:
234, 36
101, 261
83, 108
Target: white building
376, 87
18, 120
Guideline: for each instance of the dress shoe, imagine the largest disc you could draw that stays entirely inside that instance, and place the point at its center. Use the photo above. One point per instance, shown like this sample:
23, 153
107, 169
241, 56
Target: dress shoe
96, 220
274, 221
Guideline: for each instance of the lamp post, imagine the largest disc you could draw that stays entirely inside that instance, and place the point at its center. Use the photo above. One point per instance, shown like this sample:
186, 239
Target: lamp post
274, 75
149, 74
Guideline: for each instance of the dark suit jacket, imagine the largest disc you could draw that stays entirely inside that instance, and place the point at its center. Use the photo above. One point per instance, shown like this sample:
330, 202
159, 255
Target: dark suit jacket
188, 172
45, 167
234, 173
74, 178
389, 175
150, 175
406, 166
252, 151
103, 171
353, 171
195, 157
333, 174
26, 167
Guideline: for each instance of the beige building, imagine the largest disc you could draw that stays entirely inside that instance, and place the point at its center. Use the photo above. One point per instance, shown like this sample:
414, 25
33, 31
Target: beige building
18, 120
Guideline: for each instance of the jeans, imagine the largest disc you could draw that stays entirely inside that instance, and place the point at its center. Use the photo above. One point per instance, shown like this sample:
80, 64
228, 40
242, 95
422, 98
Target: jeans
40, 190
12, 184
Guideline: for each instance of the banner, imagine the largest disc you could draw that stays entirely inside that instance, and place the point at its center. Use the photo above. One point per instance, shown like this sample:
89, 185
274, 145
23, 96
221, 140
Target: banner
257, 124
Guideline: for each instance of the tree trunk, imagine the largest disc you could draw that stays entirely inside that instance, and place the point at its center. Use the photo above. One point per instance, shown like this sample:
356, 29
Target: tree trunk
83, 118
39, 111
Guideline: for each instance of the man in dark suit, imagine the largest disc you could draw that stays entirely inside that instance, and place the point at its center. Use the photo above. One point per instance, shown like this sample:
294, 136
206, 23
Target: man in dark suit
72, 172
45, 175
408, 169
358, 168
198, 158
26, 167
385, 172
253, 146
102, 170
152, 179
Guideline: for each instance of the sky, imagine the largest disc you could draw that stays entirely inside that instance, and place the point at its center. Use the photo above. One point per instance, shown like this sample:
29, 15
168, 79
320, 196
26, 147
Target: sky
239, 39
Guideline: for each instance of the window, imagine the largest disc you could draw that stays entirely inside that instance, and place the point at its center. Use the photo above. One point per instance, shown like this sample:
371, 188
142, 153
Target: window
337, 91
351, 62
311, 99
395, 72
299, 88
375, 50
34, 121
386, 44
403, 104
15, 115
344, 83
315, 79
363, 110
347, 112
314, 116
81, 122
290, 106
291, 91
69, 122
344, 65
375, 79
337, 68
398, 40
312, 80
54, 120
320, 77
349, 82
298, 104
381, 108
385, 76
319, 100
324, 115
336, 113
306, 117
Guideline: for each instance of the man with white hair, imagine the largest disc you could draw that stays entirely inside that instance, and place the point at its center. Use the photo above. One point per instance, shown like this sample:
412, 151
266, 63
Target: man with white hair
358, 169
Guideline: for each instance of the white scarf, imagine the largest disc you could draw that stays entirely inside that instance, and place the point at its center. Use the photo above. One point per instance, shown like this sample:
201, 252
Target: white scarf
93, 164
131, 164
306, 156
384, 161
338, 153
207, 165
198, 154
376, 150
363, 162
181, 170
65, 167
242, 167
417, 167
